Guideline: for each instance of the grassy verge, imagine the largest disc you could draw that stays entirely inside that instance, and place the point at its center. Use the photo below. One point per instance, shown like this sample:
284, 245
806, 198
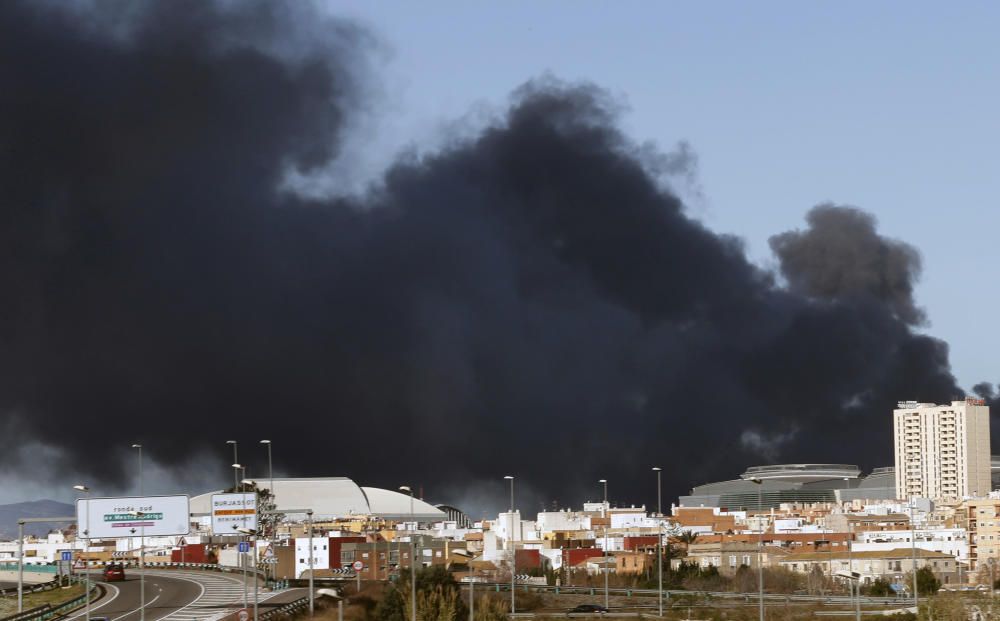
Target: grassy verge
8, 605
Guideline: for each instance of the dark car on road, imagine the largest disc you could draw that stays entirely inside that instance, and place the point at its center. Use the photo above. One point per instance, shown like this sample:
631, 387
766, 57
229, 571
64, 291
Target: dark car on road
591, 608
115, 572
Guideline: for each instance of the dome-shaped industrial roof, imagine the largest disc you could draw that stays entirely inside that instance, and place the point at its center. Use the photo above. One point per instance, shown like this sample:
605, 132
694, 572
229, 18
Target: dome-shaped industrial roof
336, 497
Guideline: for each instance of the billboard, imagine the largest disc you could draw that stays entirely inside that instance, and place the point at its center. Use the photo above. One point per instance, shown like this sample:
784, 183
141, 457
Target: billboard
232, 511
150, 516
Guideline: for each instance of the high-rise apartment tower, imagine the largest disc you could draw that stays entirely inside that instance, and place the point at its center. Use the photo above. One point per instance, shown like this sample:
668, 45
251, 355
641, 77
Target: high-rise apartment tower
942, 451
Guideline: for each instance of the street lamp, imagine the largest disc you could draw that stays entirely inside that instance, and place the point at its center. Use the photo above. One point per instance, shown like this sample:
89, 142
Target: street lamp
659, 541
760, 544
274, 503
659, 506
142, 547
413, 568
237, 477
608, 516
85, 531
270, 469
513, 546
913, 546
312, 597
236, 460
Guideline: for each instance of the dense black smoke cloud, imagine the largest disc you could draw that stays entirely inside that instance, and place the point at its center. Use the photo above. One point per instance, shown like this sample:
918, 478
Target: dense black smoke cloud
842, 256
531, 300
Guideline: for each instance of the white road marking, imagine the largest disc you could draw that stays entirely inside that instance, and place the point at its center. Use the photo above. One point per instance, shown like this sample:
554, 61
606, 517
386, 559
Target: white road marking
98, 606
147, 605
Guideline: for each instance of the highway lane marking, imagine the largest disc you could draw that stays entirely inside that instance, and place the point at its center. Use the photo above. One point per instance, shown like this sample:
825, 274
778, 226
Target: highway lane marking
101, 605
225, 598
192, 602
146, 605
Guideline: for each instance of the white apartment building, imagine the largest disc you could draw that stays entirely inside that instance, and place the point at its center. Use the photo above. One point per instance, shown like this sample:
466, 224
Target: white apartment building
942, 451
953, 541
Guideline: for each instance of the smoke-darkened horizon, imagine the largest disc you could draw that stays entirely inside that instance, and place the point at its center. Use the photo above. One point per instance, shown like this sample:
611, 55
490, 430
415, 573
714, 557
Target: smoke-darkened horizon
530, 299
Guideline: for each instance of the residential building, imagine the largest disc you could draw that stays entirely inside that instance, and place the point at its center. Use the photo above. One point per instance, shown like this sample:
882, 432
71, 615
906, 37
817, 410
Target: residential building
952, 541
728, 556
983, 525
942, 451
887, 564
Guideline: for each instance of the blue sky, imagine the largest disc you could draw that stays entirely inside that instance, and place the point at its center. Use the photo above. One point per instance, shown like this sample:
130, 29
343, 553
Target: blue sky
889, 106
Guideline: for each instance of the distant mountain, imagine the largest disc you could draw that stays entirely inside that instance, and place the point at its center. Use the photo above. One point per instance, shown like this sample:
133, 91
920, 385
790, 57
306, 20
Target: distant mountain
10, 514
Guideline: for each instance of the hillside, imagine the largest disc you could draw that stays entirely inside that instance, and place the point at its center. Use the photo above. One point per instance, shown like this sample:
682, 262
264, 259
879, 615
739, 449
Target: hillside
9, 514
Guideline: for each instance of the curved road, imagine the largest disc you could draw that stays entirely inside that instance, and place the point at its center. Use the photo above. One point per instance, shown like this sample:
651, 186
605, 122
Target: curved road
173, 595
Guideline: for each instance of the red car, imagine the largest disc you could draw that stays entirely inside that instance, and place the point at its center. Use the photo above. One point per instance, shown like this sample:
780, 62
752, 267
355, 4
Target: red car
114, 572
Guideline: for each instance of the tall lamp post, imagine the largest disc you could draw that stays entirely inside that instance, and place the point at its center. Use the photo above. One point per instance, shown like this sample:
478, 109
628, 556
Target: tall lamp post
513, 546
243, 561
413, 559
312, 597
236, 460
913, 546
607, 513
659, 541
274, 503
85, 531
659, 487
760, 544
142, 546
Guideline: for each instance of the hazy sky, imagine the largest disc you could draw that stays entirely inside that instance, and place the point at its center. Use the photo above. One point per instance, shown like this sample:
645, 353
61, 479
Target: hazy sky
888, 106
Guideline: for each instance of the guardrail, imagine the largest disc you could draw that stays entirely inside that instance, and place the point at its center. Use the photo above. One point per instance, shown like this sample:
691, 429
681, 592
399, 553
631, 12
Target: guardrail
667, 593
284, 609
48, 611
55, 583
34, 613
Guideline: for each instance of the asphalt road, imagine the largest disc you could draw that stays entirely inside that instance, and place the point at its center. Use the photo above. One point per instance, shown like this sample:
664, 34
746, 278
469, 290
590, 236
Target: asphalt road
173, 595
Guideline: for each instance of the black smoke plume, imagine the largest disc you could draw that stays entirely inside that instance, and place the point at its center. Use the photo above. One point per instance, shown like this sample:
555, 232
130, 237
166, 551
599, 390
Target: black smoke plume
531, 300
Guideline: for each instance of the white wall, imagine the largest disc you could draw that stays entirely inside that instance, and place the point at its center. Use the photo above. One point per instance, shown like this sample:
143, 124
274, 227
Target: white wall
321, 554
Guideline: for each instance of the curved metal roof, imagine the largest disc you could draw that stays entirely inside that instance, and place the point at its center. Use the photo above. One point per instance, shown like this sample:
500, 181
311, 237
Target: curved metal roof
336, 497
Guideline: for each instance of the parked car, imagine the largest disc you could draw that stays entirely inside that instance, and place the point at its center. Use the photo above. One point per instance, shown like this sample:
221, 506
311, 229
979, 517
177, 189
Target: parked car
115, 572
592, 608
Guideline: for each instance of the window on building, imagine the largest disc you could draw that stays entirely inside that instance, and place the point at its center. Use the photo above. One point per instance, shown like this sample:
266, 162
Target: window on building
732, 560
746, 560
364, 555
